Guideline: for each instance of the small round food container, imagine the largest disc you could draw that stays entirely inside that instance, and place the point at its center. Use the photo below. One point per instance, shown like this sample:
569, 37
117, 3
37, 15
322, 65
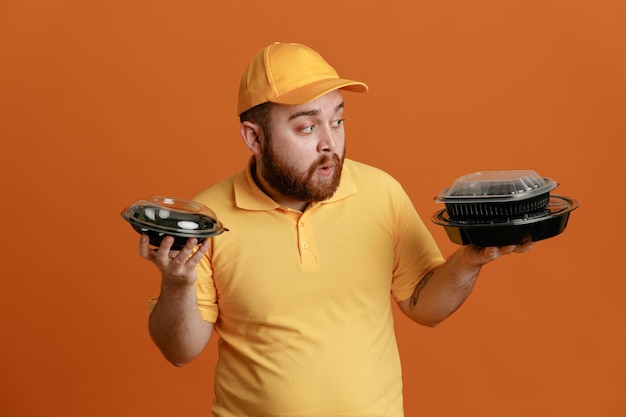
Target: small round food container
498, 208
159, 216
492, 194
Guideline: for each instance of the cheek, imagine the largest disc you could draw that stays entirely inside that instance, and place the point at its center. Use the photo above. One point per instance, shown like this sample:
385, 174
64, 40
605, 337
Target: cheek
341, 147
340, 140
301, 155
303, 161
290, 156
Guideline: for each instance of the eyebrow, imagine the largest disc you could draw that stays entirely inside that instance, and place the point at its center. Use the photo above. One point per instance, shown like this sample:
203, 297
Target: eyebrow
312, 112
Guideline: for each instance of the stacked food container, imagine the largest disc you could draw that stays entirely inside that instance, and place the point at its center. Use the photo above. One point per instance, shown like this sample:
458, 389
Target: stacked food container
498, 208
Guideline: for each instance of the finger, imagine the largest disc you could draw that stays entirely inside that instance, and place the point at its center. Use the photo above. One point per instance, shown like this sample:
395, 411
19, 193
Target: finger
190, 244
525, 246
163, 253
199, 254
505, 250
144, 247
183, 254
489, 253
192, 253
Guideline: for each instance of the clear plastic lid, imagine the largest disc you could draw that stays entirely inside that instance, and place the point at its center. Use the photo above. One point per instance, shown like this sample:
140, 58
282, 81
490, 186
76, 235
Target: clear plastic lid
174, 216
496, 185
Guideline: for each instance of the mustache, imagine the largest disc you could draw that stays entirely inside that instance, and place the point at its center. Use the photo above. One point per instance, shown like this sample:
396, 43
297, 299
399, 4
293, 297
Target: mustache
325, 159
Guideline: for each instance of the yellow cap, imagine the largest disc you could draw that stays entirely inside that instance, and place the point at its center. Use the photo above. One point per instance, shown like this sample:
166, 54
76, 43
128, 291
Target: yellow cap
289, 73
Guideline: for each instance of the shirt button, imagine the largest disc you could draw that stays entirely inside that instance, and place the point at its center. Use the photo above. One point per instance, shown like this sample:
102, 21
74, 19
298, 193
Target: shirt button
305, 245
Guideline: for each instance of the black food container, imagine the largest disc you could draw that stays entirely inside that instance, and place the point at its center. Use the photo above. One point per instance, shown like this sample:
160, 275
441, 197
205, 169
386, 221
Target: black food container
499, 208
182, 219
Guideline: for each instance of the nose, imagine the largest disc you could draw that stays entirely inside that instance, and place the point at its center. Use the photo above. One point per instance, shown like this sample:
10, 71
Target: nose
328, 139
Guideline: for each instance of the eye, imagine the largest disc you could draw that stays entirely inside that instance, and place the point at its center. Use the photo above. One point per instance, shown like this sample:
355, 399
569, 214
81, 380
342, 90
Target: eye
308, 129
337, 122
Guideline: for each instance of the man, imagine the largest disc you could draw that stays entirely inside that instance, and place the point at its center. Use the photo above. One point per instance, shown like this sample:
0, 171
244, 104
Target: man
298, 289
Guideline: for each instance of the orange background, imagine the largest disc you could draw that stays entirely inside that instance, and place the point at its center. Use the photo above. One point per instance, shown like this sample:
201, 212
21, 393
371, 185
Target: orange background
106, 102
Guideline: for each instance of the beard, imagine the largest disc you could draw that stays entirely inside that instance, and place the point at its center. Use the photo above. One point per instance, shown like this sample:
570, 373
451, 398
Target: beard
302, 186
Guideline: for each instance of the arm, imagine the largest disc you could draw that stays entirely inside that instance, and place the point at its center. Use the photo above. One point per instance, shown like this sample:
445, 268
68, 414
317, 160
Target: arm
175, 323
443, 290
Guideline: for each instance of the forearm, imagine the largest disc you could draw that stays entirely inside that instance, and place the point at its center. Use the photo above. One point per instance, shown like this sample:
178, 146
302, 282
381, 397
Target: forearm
441, 292
176, 325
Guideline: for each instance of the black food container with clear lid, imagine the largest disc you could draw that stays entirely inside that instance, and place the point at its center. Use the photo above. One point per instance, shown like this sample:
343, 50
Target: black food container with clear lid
159, 216
499, 208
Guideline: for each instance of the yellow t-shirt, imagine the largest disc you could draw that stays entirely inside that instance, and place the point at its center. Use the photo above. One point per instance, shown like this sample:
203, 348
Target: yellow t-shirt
301, 301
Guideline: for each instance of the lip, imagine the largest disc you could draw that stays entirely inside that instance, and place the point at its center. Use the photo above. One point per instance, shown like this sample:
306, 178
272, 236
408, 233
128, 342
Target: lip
326, 169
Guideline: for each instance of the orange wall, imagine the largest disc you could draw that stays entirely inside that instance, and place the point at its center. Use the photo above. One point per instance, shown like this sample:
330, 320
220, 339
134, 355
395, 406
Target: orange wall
105, 102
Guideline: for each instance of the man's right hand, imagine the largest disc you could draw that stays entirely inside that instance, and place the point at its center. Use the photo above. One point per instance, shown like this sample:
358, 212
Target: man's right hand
178, 268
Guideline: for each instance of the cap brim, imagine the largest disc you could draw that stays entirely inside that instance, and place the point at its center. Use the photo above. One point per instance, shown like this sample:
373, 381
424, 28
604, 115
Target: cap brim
317, 89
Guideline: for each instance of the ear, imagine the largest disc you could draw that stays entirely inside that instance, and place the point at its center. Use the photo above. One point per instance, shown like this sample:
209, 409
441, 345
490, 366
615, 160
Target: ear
251, 134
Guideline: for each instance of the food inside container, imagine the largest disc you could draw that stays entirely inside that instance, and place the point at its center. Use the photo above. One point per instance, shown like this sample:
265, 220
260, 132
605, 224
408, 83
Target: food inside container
159, 216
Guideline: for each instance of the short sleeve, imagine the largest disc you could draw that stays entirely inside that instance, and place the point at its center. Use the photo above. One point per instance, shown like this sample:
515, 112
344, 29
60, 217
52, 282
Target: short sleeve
416, 252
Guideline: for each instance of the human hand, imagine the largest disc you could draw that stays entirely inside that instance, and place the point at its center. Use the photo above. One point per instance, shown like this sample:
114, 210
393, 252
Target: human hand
479, 256
177, 267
